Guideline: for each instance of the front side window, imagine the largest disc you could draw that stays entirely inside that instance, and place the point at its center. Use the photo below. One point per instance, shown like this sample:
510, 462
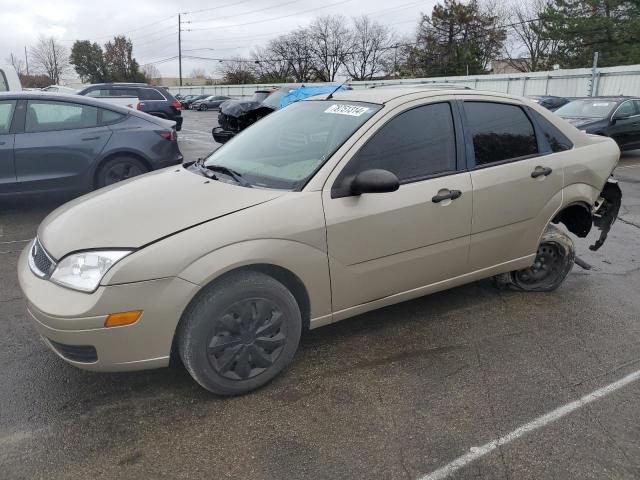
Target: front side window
500, 132
285, 149
98, 92
6, 114
45, 116
414, 144
626, 109
4, 84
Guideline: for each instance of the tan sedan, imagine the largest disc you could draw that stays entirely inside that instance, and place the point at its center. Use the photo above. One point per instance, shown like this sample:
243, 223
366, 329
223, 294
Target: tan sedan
326, 209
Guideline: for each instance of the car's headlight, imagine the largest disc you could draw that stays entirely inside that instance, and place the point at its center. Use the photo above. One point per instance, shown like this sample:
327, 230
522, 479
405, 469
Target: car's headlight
84, 270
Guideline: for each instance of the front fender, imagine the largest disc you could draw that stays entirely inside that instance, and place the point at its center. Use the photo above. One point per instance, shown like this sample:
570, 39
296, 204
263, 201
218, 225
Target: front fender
309, 264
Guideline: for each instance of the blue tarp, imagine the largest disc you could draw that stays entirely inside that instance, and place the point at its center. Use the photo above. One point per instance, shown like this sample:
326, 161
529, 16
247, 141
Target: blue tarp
304, 92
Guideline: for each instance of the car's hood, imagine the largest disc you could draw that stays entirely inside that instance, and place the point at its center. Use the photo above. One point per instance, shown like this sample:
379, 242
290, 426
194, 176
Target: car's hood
139, 211
581, 121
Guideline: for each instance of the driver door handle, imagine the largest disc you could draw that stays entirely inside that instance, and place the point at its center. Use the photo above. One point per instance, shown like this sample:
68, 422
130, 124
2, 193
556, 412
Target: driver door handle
452, 195
541, 171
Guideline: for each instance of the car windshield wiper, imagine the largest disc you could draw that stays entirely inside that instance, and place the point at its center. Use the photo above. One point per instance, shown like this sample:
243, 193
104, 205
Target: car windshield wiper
237, 176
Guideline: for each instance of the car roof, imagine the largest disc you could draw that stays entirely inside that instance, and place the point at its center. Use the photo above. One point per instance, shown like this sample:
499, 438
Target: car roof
120, 84
61, 97
385, 95
612, 98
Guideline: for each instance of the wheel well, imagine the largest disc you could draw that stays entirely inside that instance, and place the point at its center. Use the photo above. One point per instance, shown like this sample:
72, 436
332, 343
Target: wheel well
116, 155
577, 218
284, 276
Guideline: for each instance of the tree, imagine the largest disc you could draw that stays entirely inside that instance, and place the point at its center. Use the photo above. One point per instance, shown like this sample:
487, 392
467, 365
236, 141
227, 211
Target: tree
88, 61
457, 38
236, 71
582, 27
330, 44
370, 48
270, 66
198, 73
121, 65
50, 58
297, 47
17, 63
35, 81
151, 73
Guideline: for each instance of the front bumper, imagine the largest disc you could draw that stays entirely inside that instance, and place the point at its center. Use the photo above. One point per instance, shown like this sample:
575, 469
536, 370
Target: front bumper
73, 322
221, 135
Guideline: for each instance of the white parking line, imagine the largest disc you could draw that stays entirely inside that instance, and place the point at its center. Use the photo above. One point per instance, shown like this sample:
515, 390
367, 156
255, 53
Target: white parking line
477, 452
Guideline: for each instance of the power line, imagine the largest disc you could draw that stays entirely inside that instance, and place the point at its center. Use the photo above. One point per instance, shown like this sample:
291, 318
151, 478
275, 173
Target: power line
247, 13
271, 19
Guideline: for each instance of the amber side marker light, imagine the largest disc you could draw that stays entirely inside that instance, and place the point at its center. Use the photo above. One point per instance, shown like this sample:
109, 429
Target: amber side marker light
123, 318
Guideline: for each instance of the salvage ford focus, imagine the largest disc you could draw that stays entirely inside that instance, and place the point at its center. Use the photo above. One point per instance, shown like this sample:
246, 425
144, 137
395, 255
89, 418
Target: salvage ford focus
329, 208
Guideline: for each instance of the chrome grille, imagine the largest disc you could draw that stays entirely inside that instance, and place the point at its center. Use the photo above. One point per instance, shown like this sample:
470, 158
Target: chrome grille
40, 261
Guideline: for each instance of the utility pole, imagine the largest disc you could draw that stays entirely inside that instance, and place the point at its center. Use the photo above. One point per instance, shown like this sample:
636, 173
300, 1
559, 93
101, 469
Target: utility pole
594, 75
180, 48
26, 59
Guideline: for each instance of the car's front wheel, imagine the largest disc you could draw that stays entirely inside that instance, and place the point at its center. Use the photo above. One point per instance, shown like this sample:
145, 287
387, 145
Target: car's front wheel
554, 260
239, 333
203, 108
118, 169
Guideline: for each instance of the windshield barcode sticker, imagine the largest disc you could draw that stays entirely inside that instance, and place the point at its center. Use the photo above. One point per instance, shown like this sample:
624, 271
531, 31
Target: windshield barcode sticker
353, 110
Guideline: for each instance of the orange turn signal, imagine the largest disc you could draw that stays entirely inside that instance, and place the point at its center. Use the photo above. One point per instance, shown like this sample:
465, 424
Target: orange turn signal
123, 318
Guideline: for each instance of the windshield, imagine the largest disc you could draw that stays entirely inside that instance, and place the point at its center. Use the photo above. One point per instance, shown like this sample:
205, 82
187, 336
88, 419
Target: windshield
283, 150
274, 99
259, 96
587, 108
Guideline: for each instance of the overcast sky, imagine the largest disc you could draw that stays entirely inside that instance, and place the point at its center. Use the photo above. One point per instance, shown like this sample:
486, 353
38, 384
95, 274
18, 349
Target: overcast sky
229, 27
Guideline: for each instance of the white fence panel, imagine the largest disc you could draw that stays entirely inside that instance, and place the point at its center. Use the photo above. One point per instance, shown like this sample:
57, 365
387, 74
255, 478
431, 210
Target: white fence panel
623, 80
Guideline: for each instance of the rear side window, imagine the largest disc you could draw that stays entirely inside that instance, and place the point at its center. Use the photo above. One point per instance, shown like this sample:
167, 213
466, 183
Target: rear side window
123, 92
500, 132
6, 114
98, 92
150, 94
109, 116
557, 140
45, 116
415, 144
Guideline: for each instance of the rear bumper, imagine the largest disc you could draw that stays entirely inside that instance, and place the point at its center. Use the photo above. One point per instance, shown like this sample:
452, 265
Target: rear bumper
221, 135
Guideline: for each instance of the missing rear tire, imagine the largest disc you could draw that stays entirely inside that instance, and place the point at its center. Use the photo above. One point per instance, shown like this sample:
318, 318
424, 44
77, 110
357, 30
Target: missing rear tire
554, 260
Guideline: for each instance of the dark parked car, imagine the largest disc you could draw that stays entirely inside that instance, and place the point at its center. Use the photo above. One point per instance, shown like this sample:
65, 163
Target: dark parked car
549, 102
189, 99
212, 101
71, 143
156, 101
615, 117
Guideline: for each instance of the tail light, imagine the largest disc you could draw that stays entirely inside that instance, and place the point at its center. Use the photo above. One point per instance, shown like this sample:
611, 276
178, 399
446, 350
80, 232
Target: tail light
168, 134
139, 106
176, 104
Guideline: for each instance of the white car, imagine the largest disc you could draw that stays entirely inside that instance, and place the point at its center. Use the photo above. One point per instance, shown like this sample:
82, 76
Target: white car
9, 80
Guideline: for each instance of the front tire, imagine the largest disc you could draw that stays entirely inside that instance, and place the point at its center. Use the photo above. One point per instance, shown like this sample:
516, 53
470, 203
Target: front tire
239, 333
203, 108
554, 260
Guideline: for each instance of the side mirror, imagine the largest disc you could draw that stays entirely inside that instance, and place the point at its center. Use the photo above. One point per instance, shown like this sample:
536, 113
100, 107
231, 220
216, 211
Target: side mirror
374, 181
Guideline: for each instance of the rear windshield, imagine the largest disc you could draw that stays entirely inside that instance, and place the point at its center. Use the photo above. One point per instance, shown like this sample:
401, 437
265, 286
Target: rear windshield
587, 108
285, 149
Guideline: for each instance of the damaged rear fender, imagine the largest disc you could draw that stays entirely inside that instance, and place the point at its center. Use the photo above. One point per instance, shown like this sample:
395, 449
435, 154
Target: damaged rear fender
579, 217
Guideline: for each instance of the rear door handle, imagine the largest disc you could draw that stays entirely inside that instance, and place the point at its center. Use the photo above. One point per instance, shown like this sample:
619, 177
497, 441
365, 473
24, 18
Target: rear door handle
541, 171
86, 139
451, 195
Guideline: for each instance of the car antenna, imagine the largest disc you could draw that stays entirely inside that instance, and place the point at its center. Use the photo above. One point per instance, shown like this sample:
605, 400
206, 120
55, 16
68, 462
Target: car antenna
330, 96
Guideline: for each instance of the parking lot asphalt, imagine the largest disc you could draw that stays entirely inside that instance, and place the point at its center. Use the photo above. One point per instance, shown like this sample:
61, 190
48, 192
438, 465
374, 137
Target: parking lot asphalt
393, 394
